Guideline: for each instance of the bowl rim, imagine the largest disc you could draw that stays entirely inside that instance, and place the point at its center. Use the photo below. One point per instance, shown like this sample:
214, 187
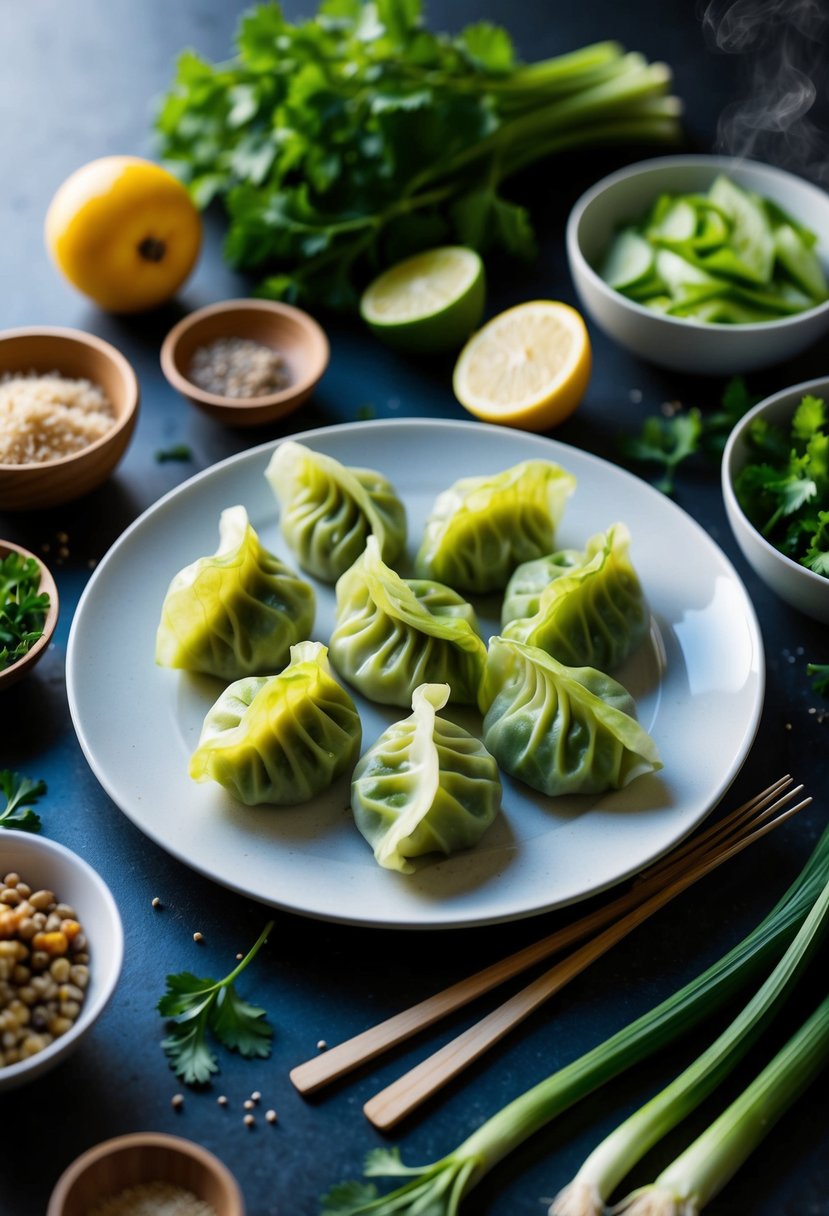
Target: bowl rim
121, 362
47, 584
180, 1144
819, 387
653, 165
91, 1009
274, 308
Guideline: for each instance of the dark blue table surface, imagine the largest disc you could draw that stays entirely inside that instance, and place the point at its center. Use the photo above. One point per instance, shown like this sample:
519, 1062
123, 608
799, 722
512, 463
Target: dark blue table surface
79, 81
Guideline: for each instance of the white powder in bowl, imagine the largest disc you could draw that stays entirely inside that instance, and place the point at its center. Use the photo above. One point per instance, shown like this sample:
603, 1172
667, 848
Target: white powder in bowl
46, 417
153, 1199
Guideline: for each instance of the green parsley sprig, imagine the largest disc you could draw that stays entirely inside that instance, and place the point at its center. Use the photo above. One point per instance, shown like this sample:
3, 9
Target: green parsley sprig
820, 677
198, 1007
23, 607
20, 790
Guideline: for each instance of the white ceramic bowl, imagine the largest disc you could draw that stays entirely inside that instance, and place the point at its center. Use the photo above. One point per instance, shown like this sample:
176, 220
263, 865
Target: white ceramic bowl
678, 342
796, 584
44, 864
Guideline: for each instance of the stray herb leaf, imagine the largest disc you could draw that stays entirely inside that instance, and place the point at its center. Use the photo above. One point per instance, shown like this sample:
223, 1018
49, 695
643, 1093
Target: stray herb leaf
197, 1006
179, 451
820, 677
19, 790
22, 607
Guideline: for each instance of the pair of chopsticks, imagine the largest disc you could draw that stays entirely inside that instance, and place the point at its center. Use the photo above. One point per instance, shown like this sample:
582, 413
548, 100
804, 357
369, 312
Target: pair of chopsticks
656, 887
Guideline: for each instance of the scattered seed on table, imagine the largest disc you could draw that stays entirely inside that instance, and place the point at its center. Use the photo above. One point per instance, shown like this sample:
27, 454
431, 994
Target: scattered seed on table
198, 937
248, 1104
321, 1045
249, 1120
222, 1100
177, 1101
256, 1096
156, 902
239, 958
270, 1115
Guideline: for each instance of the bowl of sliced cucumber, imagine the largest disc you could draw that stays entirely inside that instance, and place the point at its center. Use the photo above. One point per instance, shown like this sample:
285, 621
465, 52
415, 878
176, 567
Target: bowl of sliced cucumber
704, 264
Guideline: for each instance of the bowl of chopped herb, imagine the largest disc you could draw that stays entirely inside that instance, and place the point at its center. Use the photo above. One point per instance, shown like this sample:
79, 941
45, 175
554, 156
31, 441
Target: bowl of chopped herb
775, 482
28, 612
245, 362
68, 406
704, 264
146, 1172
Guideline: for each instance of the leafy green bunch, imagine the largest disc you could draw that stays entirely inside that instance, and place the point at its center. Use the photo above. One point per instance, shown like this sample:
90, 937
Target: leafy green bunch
344, 142
23, 607
784, 486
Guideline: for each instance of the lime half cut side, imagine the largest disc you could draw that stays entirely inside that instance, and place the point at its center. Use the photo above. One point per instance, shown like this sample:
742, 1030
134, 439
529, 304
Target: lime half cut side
428, 303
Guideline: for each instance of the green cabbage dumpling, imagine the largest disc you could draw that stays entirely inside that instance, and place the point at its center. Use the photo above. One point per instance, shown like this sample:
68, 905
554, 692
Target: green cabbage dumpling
392, 634
590, 613
328, 510
481, 528
237, 612
425, 786
280, 739
562, 730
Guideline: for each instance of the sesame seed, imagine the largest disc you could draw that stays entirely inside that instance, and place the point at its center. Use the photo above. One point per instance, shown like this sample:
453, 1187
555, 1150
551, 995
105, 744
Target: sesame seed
248, 1104
249, 1121
239, 958
222, 1100
321, 1045
177, 1101
256, 1096
270, 1115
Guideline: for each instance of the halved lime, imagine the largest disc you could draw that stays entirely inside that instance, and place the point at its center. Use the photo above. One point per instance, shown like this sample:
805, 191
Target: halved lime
428, 303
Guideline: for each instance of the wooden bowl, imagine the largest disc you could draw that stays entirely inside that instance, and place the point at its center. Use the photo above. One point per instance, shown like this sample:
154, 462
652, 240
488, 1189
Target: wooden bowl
77, 355
297, 336
10, 675
125, 1161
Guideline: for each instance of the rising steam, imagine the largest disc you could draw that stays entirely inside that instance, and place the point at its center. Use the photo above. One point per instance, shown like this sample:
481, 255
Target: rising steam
782, 44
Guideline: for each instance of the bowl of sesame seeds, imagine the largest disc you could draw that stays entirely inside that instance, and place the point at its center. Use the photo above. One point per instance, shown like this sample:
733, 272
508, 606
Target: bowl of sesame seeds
61, 948
245, 362
146, 1172
68, 406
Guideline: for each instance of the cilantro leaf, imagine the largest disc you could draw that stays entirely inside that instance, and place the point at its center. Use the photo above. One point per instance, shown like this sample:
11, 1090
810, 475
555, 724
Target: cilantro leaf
666, 442
179, 451
348, 1197
385, 1163
820, 677
195, 1006
23, 607
817, 555
19, 790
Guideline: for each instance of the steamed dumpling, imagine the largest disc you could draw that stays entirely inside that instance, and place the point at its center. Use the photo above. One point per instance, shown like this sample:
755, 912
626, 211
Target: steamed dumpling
393, 634
481, 528
237, 612
280, 739
329, 510
562, 730
425, 786
591, 612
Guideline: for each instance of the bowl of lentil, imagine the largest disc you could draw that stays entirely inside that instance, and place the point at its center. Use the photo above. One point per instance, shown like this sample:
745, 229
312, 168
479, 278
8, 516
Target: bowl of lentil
245, 362
27, 622
68, 406
61, 947
146, 1172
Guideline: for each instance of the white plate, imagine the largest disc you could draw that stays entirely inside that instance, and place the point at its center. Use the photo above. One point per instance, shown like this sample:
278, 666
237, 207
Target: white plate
698, 683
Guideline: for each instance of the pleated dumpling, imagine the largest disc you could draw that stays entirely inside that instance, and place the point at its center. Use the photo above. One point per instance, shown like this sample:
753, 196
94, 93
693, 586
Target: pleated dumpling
481, 528
392, 634
237, 612
426, 786
280, 739
329, 510
592, 611
562, 730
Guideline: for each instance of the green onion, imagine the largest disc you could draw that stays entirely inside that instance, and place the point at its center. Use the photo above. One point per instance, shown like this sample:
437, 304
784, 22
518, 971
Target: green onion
690, 1182
618, 1152
437, 1189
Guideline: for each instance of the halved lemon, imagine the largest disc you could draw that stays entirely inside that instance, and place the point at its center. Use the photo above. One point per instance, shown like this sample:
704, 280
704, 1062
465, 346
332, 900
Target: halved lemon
428, 303
528, 367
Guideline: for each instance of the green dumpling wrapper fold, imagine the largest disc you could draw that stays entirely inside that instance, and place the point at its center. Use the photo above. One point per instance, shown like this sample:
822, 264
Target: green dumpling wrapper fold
562, 730
591, 612
237, 612
328, 510
426, 786
393, 634
481, 528
280, 739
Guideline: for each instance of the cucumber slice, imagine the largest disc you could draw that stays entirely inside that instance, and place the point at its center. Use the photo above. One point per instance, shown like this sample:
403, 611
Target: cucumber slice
677, 273
800, 262
751, 255
677, 225
629, 260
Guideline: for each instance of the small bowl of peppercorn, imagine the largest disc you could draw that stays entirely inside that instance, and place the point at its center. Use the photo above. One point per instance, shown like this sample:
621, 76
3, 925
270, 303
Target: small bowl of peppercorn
28, 612
245, 362
61, 947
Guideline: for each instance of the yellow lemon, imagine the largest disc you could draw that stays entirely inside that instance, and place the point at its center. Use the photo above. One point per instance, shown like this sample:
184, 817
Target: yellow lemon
528, 367
428, 303
124, 231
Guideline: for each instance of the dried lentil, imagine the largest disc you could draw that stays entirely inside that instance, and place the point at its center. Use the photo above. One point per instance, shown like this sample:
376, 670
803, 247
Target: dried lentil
43, 971
238, 368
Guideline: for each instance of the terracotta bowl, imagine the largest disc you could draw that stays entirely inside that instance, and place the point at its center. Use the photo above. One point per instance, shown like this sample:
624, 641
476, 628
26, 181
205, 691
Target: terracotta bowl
143, 1157
77, 355
10, 675
297, 336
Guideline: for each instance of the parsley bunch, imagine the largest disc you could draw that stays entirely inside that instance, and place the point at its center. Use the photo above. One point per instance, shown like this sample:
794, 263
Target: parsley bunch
784, 486
344, 142
23, 607
20, 791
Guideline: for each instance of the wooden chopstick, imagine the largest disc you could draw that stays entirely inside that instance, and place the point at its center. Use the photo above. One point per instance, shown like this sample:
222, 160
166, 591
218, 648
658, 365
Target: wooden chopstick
319, 1071
399, 1099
